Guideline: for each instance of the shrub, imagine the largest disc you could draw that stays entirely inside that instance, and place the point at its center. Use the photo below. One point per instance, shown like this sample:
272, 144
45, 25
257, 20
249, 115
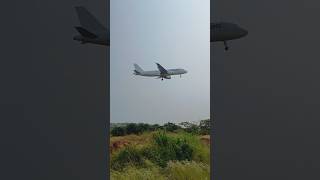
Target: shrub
165, 148
132, 128
170, 127
142, 127
154, 127
183, 150
127, 156
201, 152
118, 131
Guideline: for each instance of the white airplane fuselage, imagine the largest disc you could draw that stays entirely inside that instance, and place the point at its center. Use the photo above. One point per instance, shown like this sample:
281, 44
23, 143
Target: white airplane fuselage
161, 73
157, 73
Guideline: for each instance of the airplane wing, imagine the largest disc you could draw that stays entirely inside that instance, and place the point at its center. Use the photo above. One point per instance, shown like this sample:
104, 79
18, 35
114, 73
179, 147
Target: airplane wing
162, 69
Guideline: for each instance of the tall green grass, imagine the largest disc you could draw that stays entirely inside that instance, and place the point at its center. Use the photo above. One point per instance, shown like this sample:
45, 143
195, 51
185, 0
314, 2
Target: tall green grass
166, 156
134, 173
178, 170
189, 170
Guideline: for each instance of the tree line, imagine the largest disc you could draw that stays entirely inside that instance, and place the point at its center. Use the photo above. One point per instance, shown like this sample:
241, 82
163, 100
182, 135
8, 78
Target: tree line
203, 128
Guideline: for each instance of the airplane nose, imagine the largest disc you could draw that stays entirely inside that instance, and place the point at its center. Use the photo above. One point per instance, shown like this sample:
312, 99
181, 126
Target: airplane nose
244, 32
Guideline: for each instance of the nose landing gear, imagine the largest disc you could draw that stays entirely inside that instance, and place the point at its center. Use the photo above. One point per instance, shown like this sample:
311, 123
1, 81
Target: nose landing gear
226, 47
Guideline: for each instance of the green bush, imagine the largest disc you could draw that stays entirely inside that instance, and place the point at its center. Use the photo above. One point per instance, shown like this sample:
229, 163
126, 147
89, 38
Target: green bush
154, 127
183, 150
201, 152
171, 127
132, 128
142, 127
118, 131
127, 156
166, 148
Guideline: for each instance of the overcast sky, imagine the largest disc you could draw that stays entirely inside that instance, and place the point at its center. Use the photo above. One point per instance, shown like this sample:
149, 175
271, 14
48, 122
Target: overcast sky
172, 33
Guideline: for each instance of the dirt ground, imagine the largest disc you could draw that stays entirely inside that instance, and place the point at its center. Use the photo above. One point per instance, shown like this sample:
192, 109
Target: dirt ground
205, 139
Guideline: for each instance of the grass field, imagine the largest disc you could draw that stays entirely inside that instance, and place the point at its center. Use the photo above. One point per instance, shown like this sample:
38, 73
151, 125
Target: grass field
160, 155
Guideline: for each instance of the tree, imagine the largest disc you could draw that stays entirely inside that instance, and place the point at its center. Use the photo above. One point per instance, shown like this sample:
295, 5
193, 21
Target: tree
132, 128
205, 126
118, 131
190, 127
142, 127
170, 127
154, 127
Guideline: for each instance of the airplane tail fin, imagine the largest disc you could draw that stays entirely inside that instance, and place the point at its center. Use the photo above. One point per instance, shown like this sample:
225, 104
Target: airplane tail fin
89, 22
137, 69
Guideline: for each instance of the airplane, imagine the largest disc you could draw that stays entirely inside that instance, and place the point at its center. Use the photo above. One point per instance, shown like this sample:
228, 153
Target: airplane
224, 31
160, 73
91, 30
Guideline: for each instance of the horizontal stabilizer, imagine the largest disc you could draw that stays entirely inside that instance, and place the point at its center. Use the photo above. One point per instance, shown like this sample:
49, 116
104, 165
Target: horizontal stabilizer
135, 72
85, 32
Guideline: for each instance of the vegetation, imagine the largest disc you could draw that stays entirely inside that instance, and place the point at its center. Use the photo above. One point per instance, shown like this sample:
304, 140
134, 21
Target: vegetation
178, 170
188, 170
118, 131
165, 148
121, 129
143, 151
203, 128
